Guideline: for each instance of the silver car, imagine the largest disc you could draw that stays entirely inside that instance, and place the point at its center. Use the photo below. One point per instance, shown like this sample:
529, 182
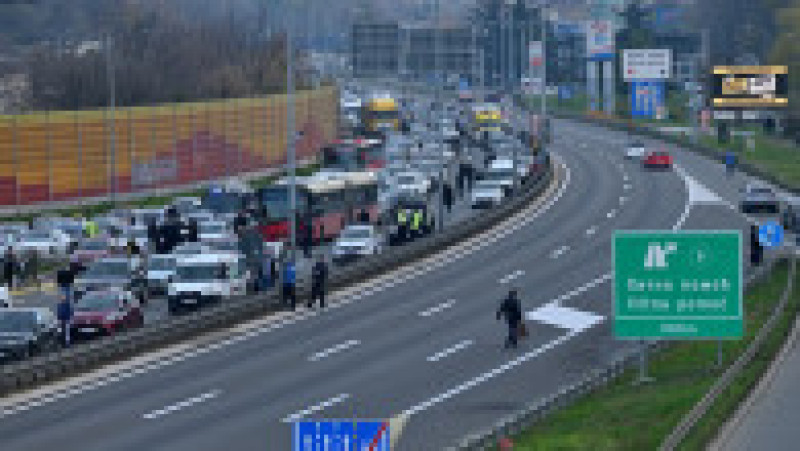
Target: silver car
757, 198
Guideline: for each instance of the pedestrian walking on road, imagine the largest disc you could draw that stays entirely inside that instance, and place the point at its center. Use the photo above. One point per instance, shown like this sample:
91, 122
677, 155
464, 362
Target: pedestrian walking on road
319, 278
65, 278
9, 265
64, 314
402, 225
511, 309
730, 162
289, 297
448, 197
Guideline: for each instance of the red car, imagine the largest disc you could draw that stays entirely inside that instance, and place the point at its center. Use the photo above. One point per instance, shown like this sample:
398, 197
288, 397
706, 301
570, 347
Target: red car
105, 313
658, 159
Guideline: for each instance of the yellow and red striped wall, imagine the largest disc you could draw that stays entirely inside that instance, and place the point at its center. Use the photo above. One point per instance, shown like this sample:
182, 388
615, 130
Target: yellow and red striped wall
66, 155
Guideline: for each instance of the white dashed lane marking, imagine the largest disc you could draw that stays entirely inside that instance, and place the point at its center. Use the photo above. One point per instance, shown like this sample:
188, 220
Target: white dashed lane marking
591, 231
181, 405
333, 350
313, 409
559, 252
451, 350
512, 276
437, 308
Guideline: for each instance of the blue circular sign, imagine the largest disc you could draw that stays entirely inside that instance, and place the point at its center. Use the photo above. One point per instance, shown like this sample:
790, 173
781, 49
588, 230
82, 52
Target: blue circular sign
770, 234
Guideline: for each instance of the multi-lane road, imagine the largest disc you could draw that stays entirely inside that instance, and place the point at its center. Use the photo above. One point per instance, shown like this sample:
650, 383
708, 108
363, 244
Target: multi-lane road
421, 342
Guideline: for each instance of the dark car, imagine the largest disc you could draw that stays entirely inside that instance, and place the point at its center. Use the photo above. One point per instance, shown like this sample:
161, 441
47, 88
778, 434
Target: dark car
27, 331
105, 313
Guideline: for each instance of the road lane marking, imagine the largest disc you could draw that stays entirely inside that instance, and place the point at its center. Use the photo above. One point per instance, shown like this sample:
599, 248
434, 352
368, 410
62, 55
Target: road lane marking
181, 405
627, 186
591, 231
333, 350
512, 276
488, 375
313, 409
453, 349
611, 214
437, 308
559, 252
155, 360
587, 286
622, 199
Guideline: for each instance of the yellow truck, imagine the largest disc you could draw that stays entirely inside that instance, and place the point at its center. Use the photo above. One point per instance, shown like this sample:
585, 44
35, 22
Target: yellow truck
381, 114
486, 118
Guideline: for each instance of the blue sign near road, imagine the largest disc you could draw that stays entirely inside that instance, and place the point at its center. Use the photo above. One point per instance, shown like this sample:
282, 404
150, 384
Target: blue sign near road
646, 97
341, 435
770, 234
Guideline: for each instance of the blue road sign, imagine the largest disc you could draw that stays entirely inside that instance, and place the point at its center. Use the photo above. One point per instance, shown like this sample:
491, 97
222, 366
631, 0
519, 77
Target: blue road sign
341, 435
770, 234
564, 92
646, 97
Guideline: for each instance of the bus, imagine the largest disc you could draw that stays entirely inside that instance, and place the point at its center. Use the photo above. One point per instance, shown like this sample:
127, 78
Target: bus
354, 155
326, 203
381, 114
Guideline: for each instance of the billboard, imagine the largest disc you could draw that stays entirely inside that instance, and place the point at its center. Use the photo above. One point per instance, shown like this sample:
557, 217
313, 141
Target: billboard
647, 64
750, 86
599, 40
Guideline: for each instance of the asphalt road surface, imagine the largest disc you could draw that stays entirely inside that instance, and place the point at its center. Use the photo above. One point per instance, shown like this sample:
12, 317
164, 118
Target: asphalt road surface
425, 343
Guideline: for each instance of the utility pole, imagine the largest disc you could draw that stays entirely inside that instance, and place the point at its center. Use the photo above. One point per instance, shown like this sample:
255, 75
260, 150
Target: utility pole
439, 74
543, 14
290, 133
112, 104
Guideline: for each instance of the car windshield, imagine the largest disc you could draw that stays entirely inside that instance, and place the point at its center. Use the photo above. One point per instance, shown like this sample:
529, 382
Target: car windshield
108, 270
406, 180
93, 246
189, 273
356, 234
137, 232
226, 246
212, 227
486, 185
17, 321
760, 190
499, 175
161, 264
97, 302
38, 236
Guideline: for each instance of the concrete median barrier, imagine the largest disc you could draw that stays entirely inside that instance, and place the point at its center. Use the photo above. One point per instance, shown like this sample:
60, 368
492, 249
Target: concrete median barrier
82, 357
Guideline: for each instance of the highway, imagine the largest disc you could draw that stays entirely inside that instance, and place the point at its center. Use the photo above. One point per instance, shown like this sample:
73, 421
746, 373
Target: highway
425, 343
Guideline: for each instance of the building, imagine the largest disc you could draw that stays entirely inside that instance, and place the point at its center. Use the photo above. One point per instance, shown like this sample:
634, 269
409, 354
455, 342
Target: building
375, 46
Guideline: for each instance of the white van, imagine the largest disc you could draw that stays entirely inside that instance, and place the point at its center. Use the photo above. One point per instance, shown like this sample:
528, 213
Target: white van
206, 279
5, 298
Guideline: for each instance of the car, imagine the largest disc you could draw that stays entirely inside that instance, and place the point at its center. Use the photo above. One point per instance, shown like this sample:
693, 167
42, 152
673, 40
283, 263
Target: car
136, 233
759, 198
208, 231
27, 331
5, 298
486, 194
160, 271
189, 249
105, 312
635, 151
503, 178
356, 241
412, 184
52, 243
205, 279
113, 272
89, 250
657, 160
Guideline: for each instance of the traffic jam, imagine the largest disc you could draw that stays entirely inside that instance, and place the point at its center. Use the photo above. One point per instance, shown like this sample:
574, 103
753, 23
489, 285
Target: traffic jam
403, 168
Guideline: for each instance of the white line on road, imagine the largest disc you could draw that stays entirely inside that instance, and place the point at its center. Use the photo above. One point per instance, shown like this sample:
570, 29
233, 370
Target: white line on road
338, 348
601, 279
437, 308
455, 348
611, 214
488, 375
313, 409
181, 405
512, 276
622, 199
627, 186
592, 230
559, 252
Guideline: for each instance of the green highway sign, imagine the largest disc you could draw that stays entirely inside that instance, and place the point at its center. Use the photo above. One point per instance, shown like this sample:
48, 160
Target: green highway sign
678, 285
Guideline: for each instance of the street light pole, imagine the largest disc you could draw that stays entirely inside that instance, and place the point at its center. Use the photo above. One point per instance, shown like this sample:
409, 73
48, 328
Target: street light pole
439, 74
112, 100
290, 134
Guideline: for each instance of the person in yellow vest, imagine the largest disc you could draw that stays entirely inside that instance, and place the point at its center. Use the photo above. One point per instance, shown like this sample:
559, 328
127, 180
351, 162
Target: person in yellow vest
416, 222
90, 229
402, 225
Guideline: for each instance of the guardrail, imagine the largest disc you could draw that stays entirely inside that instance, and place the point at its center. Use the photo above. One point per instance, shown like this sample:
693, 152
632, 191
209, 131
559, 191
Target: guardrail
567, 394
50, 367
708, 152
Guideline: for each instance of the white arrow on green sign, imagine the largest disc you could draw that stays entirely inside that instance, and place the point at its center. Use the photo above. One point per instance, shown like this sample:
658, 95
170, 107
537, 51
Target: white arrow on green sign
678, 285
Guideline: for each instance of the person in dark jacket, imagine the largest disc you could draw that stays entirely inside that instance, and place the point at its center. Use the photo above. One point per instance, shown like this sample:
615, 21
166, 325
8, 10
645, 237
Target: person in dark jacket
64, 314
448, 197
511, 309
65, 278
319, 277
289, 297
9, 265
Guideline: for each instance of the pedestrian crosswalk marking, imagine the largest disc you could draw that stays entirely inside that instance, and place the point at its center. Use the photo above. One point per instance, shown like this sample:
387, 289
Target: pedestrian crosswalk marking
564, 317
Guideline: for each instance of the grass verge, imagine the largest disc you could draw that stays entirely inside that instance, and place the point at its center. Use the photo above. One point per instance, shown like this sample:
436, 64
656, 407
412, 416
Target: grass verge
626, 416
